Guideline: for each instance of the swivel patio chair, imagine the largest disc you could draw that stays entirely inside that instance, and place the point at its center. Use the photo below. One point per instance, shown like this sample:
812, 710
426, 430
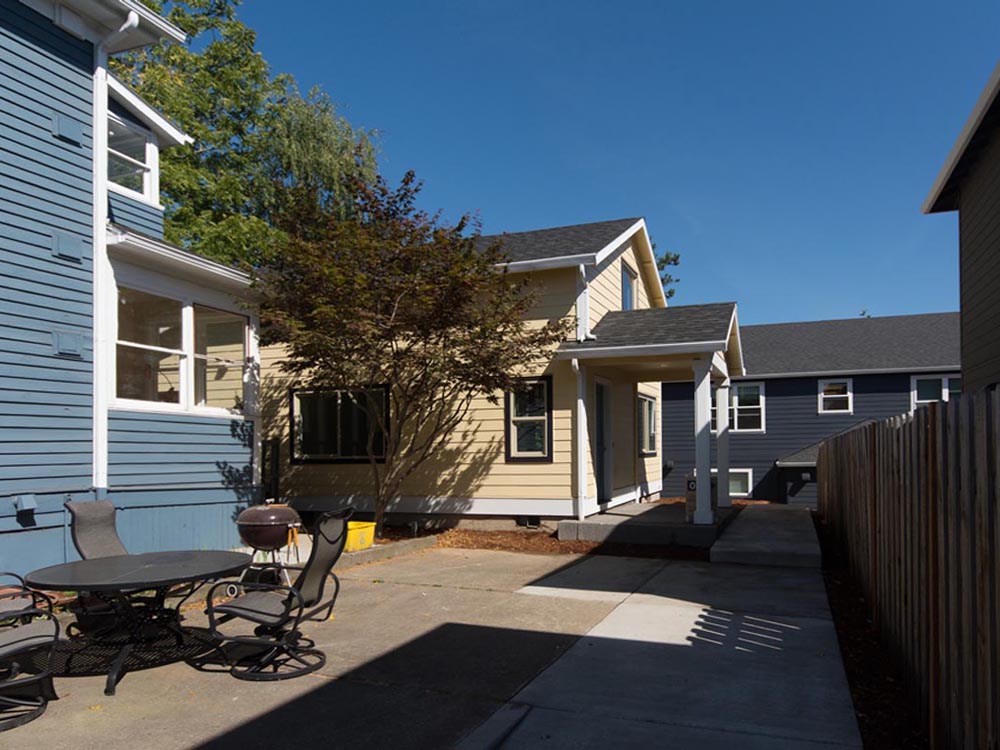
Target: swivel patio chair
278, 650
28, 636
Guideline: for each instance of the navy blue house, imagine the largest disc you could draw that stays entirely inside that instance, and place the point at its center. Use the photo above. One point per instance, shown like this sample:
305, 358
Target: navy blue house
805, 382
127, 365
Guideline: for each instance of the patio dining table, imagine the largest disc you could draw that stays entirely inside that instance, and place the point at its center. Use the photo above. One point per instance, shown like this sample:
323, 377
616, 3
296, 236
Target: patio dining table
115, 579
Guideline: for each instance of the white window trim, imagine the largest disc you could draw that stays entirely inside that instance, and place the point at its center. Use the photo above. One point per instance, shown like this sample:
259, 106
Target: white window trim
735, 418
544, 419
640, 434
748, 472
150, 194
850, 396
186, 385
942, 379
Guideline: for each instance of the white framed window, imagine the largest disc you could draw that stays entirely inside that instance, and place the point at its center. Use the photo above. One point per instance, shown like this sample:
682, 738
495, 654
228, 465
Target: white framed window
133, 160
835, 396
629, 280
646, 422
336, 427
926, 389
740, 482
174, 354
528, 418
746, 408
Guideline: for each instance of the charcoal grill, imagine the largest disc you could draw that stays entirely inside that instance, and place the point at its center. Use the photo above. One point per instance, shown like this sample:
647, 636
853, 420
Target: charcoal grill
265, 528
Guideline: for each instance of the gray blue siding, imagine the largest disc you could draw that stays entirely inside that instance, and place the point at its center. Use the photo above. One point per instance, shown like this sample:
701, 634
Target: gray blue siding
133, 214
46, 351
792, 423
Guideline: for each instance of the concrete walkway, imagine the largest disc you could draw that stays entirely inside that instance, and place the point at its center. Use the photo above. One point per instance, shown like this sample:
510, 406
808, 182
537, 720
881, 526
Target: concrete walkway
696, 655
770, 535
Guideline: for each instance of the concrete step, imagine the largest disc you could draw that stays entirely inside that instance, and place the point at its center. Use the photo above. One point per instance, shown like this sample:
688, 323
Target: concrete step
779, 535
647, 524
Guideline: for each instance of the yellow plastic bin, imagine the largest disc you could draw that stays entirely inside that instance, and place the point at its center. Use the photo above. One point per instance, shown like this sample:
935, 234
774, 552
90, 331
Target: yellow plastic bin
360, 535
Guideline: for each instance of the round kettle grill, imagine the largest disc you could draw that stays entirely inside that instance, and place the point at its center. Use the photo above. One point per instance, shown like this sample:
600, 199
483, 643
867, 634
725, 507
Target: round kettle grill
265, 528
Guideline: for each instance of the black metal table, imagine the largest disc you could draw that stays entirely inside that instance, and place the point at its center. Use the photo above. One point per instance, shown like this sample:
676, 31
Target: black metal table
114, 579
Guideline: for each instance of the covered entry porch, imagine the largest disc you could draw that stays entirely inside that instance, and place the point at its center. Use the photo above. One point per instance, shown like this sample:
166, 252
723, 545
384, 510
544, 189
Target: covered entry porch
697, 342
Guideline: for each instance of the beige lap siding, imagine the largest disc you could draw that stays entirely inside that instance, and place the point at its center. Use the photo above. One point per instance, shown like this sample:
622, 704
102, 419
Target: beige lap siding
605, 284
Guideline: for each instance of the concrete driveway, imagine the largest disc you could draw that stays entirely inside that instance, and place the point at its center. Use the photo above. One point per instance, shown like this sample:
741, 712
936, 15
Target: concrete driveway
441, 645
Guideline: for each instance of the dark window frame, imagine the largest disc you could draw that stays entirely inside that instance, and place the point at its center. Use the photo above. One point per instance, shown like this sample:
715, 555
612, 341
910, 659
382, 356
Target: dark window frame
296, 459
508, 434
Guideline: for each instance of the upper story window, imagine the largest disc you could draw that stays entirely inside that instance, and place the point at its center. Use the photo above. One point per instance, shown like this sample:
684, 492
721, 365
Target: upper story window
178, 354
133, 160
746, 408
836, 396
926, 389
528, 420
335, 426
629, 280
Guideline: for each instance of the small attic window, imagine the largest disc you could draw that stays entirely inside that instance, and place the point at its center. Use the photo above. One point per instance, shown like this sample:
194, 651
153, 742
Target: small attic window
132, 160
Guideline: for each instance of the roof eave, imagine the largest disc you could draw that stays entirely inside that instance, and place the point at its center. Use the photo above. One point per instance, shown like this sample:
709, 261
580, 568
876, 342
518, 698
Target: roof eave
149, 251
941, 197
641, 350
167, 133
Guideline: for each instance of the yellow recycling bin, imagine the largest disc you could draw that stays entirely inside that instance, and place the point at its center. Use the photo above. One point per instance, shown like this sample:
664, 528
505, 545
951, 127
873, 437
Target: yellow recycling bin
360, 535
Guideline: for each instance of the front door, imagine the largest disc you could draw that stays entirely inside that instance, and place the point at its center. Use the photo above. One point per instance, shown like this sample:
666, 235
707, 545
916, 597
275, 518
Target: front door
602, 452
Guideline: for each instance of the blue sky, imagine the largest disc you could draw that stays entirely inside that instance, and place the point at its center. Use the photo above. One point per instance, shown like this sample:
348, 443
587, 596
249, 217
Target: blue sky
783, 148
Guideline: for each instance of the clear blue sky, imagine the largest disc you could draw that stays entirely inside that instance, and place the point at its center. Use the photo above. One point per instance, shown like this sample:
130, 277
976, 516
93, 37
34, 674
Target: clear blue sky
783, 148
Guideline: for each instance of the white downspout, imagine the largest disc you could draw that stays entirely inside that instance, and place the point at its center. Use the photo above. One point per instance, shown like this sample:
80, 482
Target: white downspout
581, 438
103, 276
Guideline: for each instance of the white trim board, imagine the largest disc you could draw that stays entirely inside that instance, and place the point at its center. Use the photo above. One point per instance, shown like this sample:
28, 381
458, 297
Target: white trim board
845, 373
427, 504
641, 350
165, 130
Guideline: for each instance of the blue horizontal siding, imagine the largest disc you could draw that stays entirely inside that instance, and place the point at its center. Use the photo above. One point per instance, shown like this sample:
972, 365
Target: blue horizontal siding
133, 214
218, 451
45, 189
791, 422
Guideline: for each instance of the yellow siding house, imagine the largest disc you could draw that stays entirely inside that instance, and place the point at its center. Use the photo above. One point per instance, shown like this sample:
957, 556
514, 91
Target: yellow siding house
584, 436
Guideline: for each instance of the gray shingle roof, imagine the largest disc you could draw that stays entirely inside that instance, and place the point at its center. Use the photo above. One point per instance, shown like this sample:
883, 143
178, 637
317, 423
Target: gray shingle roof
559, 241
900, 342
660, 325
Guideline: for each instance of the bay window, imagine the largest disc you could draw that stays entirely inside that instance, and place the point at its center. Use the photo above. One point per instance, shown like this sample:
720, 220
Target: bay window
173, 352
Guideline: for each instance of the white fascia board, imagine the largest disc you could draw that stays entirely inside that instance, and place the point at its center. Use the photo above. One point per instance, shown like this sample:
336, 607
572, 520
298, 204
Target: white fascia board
152, 253
641, 350
966, 135
167, 133
163, 28
97, 20
544, 264
847, 373
734, 325
649, 261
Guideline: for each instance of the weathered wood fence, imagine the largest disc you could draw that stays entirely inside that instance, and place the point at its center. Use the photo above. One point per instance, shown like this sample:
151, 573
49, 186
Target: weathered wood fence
913, 503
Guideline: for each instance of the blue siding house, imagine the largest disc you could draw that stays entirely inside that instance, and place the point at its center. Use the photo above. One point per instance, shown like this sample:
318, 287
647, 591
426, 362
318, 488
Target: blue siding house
127, 365
805, 382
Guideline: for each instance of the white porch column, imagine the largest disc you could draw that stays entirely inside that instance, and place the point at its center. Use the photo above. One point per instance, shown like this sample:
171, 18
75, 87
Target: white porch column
703, 440
722, 446
581, 439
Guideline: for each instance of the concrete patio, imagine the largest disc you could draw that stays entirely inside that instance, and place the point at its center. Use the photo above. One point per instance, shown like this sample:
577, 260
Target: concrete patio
662, 524
425, 648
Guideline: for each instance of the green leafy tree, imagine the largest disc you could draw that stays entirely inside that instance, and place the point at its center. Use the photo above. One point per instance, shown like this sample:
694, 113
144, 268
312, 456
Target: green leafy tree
394, 297
254, 134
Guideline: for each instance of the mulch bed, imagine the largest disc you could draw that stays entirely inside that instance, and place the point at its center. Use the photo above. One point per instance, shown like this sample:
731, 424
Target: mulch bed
546, 543
888, 715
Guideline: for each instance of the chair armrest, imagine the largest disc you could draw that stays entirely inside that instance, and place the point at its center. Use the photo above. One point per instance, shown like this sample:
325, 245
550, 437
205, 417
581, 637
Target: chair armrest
8, 574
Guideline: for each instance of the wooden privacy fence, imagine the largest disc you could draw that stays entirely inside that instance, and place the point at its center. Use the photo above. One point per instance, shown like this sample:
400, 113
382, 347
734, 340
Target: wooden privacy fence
913, 502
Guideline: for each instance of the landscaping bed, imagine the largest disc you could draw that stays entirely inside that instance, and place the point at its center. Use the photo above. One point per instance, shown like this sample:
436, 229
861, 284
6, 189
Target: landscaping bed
546, 543
888, 715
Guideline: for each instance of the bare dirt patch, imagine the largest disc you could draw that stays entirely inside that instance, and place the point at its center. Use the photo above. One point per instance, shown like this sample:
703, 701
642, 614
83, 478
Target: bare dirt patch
546, 543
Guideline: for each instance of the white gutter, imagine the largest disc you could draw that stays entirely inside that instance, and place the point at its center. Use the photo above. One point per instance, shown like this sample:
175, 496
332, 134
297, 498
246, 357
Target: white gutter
641, 350
848, 373
544, 264
150, 252
104, 299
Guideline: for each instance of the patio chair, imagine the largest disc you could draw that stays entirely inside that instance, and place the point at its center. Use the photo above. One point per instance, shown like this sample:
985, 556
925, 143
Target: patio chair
28, 637
278, 649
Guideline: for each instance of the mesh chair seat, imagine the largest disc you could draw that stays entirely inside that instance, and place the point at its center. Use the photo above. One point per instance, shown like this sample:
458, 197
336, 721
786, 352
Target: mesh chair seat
23, 637
264, 607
